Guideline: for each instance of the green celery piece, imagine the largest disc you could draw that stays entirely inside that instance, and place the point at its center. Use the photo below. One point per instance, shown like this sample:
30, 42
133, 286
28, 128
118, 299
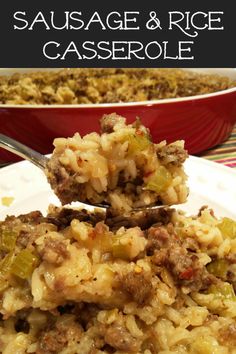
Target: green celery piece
120, 250
8, 240
160, 181
223, 291
227, 227
5, 266
24, 264
137, 143
219, 268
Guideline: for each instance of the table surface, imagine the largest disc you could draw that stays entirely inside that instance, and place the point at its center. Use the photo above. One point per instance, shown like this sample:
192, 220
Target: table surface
224, 153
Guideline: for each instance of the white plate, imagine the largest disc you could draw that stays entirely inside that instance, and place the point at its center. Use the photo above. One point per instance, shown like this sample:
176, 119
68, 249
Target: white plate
210, 184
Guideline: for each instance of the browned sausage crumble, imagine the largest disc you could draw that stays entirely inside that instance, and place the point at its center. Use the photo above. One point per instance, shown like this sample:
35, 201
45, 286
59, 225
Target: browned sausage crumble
82, 86
93, 283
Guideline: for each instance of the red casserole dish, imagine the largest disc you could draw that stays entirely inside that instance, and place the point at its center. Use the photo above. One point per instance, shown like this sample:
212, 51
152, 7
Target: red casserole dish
202, 121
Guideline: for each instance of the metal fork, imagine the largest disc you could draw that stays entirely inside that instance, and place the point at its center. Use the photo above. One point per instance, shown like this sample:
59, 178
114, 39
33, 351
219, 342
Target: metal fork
41, 161
23, 151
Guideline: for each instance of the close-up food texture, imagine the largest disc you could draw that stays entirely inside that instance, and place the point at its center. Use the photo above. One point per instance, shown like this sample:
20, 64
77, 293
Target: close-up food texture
138, 276
121, 167
89, 86
152, 282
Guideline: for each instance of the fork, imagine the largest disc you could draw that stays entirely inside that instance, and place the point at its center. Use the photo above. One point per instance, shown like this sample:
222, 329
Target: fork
23, 151
41, 161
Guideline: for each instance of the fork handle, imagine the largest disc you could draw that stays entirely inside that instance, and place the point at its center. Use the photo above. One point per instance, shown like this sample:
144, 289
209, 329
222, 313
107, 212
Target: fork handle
24, 151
